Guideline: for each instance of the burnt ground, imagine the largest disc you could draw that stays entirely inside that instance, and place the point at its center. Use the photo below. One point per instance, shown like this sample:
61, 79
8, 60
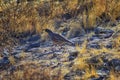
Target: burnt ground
98, 48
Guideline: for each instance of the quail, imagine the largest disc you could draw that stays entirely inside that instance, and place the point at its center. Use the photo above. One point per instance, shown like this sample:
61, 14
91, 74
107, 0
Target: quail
57, 38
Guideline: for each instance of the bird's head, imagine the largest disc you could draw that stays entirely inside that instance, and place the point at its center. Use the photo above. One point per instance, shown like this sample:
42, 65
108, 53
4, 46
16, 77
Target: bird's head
48, 31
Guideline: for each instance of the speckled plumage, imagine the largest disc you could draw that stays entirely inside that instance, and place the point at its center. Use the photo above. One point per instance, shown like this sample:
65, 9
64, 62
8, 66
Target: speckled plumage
57, 38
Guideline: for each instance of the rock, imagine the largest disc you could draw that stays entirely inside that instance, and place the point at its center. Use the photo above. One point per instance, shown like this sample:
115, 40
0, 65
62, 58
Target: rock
17, 1
100, 30
117, 68
80, 72
64, 31
71, 64
69, 76
97, 59
12, 68
60, 0
103, 71
57, 23
102, 33
32, 45
105, 58
109, 45
6, 52
72, 74
3, 62
76, 30
16, 51
22, 41
66, 16
114, 64
99, 78
73, 55
107, 35
33, 38
113, 24
118, 18
94, 60
93, 38
17, 56
29, 0
78, 40
88, 29
102, 36
94, 45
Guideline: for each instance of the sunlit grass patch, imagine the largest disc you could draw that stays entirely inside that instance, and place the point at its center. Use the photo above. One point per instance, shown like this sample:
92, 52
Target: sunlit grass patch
117, 42
113, 75
90, 72
12, 60
23, 55
80, 63
35, 16
83, 49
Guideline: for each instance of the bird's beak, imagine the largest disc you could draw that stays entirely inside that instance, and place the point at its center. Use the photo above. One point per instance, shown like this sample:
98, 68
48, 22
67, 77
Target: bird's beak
43, 29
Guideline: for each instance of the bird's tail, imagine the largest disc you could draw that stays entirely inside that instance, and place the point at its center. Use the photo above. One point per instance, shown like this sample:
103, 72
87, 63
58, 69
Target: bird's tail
71, 43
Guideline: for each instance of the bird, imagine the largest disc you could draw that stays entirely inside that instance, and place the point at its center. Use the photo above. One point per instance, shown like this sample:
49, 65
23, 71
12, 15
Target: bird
57, 38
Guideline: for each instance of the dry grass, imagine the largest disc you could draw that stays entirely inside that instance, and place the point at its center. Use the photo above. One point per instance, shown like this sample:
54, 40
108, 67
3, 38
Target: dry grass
37, 15
27, 70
